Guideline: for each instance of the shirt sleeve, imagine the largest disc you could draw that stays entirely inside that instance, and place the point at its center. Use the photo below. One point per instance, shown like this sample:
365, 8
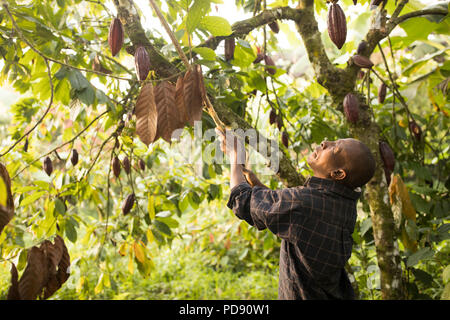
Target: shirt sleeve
278, 210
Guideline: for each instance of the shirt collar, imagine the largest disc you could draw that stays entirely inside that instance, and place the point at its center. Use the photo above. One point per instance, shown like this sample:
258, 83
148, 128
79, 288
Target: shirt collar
333, 186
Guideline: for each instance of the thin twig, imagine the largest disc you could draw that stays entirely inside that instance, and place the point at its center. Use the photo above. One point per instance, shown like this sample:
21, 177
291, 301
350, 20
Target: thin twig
62, 145
170, 33
49, 74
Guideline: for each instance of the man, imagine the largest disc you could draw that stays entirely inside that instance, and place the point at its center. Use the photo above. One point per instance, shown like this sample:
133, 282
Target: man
315, 222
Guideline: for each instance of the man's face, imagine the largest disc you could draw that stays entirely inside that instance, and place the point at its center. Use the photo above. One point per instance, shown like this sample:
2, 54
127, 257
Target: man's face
331, 155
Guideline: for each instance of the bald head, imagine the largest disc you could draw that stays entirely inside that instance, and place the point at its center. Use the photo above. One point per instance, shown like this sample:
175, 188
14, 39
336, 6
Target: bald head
347, 161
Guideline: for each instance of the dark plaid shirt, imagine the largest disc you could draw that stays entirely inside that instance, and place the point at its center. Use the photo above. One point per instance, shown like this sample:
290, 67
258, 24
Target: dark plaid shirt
315, 223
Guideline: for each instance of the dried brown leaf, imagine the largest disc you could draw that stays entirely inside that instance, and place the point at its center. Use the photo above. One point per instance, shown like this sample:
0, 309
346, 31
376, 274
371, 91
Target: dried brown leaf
57, 273
192, 96
179, 101
34, 275
146, 115
13, 292
168, 117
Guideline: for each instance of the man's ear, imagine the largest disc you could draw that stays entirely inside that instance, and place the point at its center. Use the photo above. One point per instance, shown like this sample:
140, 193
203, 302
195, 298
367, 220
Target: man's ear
338, 174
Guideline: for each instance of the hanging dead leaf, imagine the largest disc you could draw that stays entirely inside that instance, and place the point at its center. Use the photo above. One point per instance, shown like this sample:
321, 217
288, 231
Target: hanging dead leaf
179, 101
146, 115
168, 116
46, 271
58, 272
13, 292
34, 275
192, 96
6, 198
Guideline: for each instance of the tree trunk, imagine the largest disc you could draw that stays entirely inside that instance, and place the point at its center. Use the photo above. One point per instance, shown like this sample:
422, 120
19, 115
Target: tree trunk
383, 226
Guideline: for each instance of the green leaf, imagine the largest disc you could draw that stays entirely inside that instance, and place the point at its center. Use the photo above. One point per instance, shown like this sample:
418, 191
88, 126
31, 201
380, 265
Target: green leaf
3, 193
77, 80
164, 228
422, 254
71, 232
446, 293
198, 10
151, 206
183, 204
217, 26
59, 206
32, 198
205, 53
446, 274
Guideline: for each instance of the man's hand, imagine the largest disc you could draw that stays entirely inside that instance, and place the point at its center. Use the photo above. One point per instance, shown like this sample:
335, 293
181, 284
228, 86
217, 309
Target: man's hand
252, 179
231, 146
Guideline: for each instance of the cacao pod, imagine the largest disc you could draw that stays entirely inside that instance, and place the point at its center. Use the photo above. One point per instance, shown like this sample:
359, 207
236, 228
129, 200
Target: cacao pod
128, 203
387, 155
116, 166
48, 166
362, 61
25, 146
285, 139
142, 61
351, 108
74, 157
355, 2
361, 74
115, 36
270, 65
382, 93
415, 130
274, 27
337, 25
230, 44
361, 47
272, 116
259, 58
375, 3
279, 121
126, 165
142, 164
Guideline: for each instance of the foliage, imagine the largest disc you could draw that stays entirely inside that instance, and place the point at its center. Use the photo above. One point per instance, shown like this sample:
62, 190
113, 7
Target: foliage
180, 241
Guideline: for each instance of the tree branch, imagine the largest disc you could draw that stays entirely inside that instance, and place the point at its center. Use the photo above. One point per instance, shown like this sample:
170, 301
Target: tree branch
418, 13
287, 172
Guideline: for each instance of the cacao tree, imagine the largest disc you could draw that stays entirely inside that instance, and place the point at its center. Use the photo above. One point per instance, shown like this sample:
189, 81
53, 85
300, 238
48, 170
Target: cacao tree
101, 82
